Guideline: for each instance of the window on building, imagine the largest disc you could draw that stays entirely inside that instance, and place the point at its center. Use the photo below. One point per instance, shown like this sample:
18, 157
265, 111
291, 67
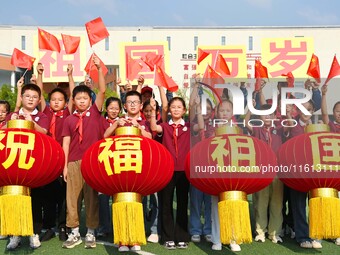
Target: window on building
107, 44
168, 38
134, 38
23, 42
250, 46
223, 40
195, 42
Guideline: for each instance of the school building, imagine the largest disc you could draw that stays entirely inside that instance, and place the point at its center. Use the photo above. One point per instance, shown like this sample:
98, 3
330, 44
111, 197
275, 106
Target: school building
280, 49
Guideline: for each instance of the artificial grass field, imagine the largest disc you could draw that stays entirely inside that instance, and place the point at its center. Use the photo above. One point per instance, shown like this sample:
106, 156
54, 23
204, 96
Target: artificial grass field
105, 246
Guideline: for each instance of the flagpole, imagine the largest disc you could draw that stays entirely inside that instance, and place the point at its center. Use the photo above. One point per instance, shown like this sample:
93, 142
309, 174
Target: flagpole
218, 52
154, 77
25, 72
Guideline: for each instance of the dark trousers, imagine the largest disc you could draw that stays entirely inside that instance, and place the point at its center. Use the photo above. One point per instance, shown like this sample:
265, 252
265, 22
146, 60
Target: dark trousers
298, 201
49, 205
172, 230
287, 205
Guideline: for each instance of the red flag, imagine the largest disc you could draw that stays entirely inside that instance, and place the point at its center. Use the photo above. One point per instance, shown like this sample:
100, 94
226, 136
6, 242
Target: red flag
20, 59
133, 67
221, 66
48, 41
290, 79
92, 70
201, 55
210, 78
260, 70
162, 79
152, 59
96, 30
71, 43
314, 68
334, 71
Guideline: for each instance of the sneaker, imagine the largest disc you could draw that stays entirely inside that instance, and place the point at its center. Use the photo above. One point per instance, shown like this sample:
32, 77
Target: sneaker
62, 234
216, 247
306, 244
153, 238
72, 241
90, 241
337, 241
170, 245
123, 248
182, 245
276, 239
14, 242
34, 241
135, 247
292, 233
196, 238
316, 244
260, 238
208, 238
47, 235
234, 246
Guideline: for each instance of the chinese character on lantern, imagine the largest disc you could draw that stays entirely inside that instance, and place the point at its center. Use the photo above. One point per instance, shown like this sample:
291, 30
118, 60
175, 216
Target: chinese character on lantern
127, 155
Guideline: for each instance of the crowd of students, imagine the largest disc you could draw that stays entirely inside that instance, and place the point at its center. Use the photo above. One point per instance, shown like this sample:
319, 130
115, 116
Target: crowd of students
77, 118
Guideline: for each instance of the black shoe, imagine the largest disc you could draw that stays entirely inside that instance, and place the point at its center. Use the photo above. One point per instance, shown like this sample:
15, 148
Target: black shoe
170, 245
62, 234
182, 245
47, 235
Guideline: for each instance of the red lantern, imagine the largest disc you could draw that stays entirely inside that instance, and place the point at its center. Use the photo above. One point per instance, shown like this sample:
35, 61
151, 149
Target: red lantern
241, 161
28, 159
127, 166
312, 162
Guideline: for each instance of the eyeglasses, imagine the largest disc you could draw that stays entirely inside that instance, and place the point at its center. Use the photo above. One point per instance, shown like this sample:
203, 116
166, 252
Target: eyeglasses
28, 97
133, 102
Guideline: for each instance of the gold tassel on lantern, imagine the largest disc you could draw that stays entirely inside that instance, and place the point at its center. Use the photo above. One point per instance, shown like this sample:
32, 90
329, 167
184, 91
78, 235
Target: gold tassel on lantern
324, 213
234, 217
16, 211
15, 200
128, 219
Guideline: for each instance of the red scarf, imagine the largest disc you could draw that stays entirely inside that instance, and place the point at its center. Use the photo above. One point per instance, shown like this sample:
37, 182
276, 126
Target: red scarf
111, 121
175, 135
53, 121
79, 125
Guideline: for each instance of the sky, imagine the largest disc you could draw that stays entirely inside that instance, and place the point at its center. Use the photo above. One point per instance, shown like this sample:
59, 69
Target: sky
171, 12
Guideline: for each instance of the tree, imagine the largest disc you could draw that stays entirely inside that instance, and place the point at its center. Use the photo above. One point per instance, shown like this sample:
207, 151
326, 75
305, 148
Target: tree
7, 94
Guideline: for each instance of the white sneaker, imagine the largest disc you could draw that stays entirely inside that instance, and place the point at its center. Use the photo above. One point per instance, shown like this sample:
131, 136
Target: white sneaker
196, 238
276, 239
234, 246
72, 241
316, 244
135, 248
208, 238
34, 241
260, 238
123, 248
90, 241
216, 247
337, 241
153, 238
14, 242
